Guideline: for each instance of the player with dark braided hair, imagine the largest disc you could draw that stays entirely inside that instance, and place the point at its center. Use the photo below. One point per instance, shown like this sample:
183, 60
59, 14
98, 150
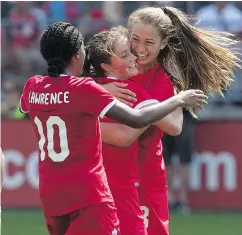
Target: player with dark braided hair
65, 110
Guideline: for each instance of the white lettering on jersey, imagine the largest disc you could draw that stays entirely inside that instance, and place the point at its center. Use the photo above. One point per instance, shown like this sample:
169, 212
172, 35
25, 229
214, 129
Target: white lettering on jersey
49, 98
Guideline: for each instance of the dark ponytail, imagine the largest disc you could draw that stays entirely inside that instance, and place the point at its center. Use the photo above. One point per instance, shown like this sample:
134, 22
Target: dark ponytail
87, 64
97, 54
92, 64
56, 66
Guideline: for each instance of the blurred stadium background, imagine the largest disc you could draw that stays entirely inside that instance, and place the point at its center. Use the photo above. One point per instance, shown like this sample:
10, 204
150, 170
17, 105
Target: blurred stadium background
215, 181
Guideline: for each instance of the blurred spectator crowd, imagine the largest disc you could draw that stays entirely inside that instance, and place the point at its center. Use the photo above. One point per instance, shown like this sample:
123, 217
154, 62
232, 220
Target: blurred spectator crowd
23, 23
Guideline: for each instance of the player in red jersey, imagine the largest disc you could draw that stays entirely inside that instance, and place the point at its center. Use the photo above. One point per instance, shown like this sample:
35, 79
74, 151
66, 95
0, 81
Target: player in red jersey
64, 111
164, 40
147, 146
109, 55
120, 163
153, 194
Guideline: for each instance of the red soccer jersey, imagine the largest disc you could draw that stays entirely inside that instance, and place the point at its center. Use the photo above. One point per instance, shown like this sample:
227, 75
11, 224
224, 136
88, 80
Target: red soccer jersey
65, 115
151, 162
121, 163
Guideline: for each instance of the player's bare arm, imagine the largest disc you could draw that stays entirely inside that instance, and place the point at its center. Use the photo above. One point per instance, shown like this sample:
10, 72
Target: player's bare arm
122, 136
119, 134
172, 123
152, 114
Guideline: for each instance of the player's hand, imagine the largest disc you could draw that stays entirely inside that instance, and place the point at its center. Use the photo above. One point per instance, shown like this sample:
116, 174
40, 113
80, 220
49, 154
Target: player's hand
120, 91
192, 98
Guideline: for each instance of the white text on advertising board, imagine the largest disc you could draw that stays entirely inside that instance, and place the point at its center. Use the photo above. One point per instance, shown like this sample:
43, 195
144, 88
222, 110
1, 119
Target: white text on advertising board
213, 163
29, 174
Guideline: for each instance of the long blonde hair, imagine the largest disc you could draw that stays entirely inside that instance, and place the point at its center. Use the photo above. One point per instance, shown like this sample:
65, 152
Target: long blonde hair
195, 58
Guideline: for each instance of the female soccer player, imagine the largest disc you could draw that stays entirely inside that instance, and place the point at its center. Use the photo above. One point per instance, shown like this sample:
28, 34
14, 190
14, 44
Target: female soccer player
165, 43
64, 111
109, 59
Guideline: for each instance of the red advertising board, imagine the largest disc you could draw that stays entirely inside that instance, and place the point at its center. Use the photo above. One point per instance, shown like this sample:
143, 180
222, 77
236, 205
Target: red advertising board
21, 179
216, 176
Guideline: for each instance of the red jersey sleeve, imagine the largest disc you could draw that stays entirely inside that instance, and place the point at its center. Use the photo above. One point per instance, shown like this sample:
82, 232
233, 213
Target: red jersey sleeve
94, 99
24, 99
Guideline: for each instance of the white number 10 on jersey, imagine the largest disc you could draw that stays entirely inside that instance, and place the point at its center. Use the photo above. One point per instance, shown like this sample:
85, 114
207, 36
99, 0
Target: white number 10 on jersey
53, 120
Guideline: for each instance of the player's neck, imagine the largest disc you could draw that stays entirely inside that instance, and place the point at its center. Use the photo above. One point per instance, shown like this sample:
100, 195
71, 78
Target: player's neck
111, 75
71, 72
144, 68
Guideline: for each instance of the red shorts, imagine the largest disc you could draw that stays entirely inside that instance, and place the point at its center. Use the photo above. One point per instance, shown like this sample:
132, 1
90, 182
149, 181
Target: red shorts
129, 213
156, 212
98, 219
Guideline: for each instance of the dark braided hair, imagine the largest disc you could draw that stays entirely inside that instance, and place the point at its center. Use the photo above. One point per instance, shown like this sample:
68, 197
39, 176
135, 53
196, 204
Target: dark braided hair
58, 44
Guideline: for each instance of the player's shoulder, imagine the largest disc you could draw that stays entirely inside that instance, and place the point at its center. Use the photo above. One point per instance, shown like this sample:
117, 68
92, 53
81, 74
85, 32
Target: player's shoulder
85, 85
105, 80
133, 84
163, 75
135, 87
81, 81
161, 72
34, 80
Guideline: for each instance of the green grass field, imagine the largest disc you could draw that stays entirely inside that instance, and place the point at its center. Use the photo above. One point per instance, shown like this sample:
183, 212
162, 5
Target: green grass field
32, 223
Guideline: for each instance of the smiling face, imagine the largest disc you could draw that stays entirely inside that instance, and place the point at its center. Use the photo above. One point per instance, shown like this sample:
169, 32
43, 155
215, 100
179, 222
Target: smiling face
150, 28
145, 43
123, 62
